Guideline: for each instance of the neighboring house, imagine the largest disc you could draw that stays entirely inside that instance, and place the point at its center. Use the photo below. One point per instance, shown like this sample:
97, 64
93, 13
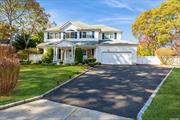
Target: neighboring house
99, 41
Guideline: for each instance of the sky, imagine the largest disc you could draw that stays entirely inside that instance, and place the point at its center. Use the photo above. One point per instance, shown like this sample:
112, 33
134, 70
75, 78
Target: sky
115, 13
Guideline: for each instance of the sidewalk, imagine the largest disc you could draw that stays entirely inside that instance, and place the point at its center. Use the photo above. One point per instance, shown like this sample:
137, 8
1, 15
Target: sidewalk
48, 110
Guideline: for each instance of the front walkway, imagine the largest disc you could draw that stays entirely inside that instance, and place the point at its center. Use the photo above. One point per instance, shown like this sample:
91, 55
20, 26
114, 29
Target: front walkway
48, 110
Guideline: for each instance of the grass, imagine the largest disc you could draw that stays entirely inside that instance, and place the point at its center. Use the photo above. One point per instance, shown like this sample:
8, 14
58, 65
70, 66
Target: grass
35, 80
166, 104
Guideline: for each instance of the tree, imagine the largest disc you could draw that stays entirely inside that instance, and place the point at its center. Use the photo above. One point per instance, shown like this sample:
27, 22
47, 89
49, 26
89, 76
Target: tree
5, 31
19, 42
176, 45
26, 15
38, 37
160, 24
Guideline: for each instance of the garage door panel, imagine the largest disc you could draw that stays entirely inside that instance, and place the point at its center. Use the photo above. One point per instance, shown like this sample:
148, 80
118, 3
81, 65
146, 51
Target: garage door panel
116, 58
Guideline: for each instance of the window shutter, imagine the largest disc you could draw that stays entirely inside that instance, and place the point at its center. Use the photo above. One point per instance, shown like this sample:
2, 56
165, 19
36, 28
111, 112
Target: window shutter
92, 34
48, 35
115, 35
102, 35
80, 35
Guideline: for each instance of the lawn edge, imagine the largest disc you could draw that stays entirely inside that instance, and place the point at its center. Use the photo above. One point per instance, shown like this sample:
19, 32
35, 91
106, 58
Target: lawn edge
2, 107
149, 101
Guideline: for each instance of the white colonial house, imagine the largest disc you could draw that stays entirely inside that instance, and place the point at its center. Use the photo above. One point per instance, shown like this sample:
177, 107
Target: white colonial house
99, 41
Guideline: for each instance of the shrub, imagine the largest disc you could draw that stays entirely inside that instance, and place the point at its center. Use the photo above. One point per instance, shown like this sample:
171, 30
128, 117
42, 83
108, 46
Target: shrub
164, 55
22, 55
48, 56
9, 69
78, 55
90, 62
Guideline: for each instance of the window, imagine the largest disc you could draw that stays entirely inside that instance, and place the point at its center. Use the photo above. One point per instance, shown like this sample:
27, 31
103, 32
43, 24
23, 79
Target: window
109, 35
89, 34
59, 35
83, 34
51, 35
56, 35
64, 35
71, 35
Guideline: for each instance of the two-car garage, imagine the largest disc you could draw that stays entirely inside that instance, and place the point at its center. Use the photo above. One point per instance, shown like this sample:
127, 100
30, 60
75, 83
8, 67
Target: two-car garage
120, 54
116, 57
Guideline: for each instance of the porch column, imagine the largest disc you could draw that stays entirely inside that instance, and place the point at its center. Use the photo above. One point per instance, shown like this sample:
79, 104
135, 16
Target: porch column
72, 54
62, 55
57, 54
54, 55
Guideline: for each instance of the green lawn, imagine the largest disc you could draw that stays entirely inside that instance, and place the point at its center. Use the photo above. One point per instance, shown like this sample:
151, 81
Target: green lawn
166, 104
34, 80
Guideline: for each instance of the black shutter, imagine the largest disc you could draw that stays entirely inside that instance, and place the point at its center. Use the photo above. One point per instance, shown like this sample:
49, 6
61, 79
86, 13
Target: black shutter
76, 35
102, 35
80, 35
92, 34
115, 35
48, 35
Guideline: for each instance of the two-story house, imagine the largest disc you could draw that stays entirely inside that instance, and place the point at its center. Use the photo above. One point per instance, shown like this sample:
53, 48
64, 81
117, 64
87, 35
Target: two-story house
99, 41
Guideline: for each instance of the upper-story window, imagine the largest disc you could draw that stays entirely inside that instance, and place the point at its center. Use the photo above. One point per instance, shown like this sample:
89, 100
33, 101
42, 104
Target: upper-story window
71, 34
88, 34
109, 35
53, 35
50, 35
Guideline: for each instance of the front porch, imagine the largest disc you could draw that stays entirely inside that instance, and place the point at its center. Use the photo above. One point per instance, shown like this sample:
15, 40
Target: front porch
64, 51
67, 55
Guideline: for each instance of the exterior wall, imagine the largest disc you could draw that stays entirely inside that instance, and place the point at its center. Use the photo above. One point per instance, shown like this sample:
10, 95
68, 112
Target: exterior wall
154, 60
116, 48
97, 35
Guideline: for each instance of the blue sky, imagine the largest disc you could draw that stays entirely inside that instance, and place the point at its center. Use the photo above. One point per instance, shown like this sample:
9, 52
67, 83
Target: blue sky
116, 13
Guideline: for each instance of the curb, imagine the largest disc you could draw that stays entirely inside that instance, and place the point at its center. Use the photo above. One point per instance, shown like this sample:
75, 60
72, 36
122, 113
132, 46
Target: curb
148, 102
41, 96
19, 102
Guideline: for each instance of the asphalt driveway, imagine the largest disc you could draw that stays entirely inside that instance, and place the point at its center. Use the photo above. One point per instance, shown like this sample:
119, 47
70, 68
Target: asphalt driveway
119, 90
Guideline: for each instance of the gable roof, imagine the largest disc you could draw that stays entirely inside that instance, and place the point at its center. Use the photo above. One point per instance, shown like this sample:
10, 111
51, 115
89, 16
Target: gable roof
85, 26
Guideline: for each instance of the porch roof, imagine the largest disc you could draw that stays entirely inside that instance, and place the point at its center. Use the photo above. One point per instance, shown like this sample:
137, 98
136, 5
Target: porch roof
67, 44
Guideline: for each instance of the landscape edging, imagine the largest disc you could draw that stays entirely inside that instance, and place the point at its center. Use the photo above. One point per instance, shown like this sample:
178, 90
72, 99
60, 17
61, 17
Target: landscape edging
39, 97
148, 102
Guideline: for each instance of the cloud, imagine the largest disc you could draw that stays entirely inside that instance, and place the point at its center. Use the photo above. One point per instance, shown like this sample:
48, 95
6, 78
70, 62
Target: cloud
117, 20
117, 4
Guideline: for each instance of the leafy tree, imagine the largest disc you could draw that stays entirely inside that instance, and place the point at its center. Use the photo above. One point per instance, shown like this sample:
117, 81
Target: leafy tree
5, 31
26, 15
19, 42
38, 37
160, 24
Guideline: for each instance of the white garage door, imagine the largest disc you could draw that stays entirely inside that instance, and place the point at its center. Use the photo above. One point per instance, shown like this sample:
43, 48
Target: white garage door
116, 58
